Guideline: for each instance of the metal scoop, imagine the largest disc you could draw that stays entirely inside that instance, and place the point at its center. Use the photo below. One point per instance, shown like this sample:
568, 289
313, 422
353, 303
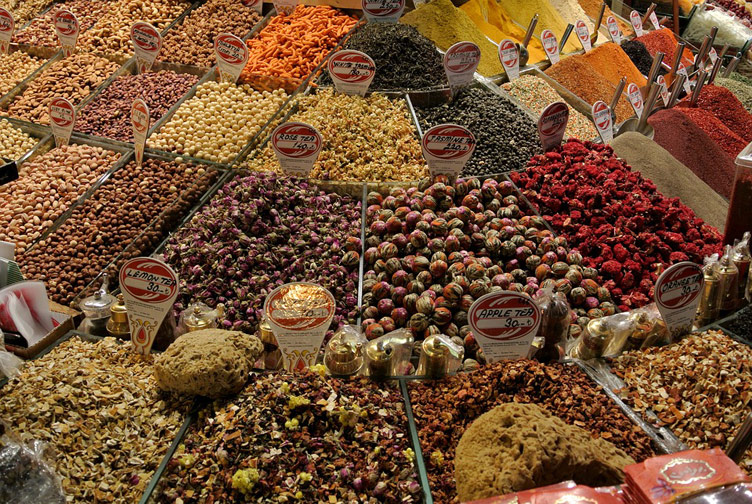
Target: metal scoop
599, 20
641, 125
565, 37
524, 53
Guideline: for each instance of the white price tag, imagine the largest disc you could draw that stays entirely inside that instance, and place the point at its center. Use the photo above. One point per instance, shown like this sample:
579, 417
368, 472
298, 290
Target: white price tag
614, 30
285, 7
140, 123
635, 98
66, 26
553, 124
62, 118
147, 42
661, 81
382, 11
583, 35
7, 27
654, 21
460, 62
351, 71
636, 20
256, 5
682, 70
677, 294
509, 56
297, 146
603, 121
231, 54
504, 324
551, 45
447, 148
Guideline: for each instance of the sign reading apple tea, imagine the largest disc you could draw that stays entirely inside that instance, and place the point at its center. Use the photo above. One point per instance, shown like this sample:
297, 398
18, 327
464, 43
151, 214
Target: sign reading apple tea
447, 148
351, 71
7, 27
299, 314
147, 42
677, 294
504, 324
62, 118
231, 54
382, 11
140, 124
150, 288
66, 26
460, 62
297, 146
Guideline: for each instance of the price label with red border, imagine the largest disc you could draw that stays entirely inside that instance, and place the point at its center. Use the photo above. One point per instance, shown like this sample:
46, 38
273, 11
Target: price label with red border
231, 54
635, 98
351, 71
447, 148
553, 124
682, 70
665, 96
551, 45
297, 146
150, 288
256, 5
603, 121
677, 294
509, 56
382, 11
299, 314
147, 42
583, 34
654, 21
140, 123
636, 20
504, 324
7, 27
62, 118
613, 29
460, 62
66, 26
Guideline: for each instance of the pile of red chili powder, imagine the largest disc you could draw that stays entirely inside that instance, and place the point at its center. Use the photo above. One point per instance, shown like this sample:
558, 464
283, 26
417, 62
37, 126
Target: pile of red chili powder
620, 223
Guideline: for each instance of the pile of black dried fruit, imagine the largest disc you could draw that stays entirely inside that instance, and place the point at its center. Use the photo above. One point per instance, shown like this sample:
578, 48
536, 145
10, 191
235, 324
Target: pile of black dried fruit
639, 55
506, 136
742, 324
404, 58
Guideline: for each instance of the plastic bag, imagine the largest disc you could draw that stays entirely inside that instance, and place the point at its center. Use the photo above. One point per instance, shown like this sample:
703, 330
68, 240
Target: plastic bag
24, 475
9, 363
24, 308
554, 327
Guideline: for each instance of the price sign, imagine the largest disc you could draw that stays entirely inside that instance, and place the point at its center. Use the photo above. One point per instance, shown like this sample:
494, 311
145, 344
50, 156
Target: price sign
583, 35
504, 324
713, 54
552, 124
7, 27
551, 45
147, 42
661, 80
140, 124
636, 20
285, 7
66, 26
677, 294
382, 11
297, 146
447, 148
351, 71
654, 20
635, 98
256, 5
613, 29
682, 70
509, 56
150, 288
231, 54
460, 62
603, 121
62, 118
299, 314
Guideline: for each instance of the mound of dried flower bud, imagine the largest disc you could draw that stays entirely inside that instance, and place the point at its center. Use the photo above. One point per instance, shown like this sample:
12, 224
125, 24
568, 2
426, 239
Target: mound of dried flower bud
98, 408
297, 438
431, 251
444, 409
699, 387
617, 219
262, 231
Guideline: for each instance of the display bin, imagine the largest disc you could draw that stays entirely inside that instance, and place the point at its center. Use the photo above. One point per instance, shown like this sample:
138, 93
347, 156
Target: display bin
143, 241
37, 132
131, 68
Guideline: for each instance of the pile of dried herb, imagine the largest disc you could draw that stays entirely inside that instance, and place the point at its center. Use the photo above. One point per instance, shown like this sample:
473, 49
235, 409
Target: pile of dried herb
298, 438
404, 58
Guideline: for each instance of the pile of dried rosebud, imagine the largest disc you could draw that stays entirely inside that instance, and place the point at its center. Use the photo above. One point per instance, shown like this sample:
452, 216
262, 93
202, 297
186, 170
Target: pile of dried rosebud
617, 219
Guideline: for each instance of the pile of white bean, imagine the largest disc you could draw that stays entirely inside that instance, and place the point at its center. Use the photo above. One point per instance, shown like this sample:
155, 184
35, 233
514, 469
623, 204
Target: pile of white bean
14, 143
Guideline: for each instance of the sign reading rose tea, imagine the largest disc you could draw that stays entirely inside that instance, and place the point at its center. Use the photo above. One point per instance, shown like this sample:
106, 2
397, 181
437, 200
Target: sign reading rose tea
677, 294
509, 56
297, 146
150, 288
603, 121
613, 29
635, 98
147, 42
351, 71
140, 124
583, 35
447, 148
299, 314
551, 45
504, 324
256, 5
7, 26
62, 118
231, 54
66, 26
636, 20
382, 11
460, 62
552, 125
